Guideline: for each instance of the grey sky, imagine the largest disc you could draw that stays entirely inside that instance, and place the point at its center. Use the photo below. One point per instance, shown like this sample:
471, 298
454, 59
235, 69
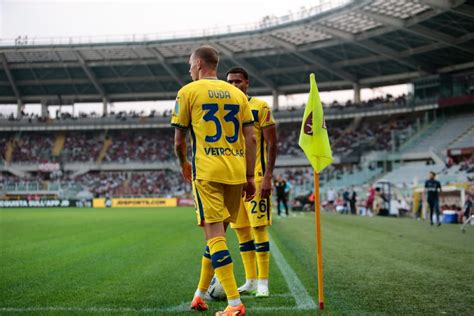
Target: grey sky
54, 18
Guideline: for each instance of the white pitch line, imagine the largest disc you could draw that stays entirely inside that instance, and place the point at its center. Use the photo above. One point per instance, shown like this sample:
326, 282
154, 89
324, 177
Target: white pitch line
302, 298
247, 296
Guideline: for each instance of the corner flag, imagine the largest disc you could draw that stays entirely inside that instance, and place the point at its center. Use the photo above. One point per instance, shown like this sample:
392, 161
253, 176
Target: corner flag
314, 138
314, 141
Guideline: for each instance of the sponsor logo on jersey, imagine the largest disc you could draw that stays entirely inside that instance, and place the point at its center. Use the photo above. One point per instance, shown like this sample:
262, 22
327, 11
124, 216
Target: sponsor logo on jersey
221, 151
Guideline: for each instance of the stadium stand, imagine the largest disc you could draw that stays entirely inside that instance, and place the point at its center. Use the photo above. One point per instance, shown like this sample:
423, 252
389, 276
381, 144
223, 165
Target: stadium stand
412, 173
140, 146
443, 134
158, 183
465, 140
82, 146
362, 44
33, 147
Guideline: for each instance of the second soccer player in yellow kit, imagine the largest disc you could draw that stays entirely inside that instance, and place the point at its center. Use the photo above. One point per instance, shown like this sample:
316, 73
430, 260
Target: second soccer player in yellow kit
220, 121
255, 215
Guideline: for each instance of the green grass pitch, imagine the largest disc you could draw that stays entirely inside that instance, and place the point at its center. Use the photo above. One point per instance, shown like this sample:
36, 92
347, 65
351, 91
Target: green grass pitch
146, 261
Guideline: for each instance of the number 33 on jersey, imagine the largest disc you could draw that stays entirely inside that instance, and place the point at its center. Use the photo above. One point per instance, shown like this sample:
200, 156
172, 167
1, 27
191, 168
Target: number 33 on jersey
215, 113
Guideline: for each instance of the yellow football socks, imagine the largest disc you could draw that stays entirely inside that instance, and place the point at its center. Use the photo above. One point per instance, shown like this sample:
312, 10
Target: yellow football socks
223, 266
207, 271
247, 252
262, 248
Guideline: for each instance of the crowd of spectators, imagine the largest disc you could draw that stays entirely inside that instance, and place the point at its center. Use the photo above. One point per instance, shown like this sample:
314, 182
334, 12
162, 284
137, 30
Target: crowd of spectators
289, 133
467, 165
152, 145
460, 165
387, 100
297, 176
33, 147
144, 146
159, 183
67, 116
370, 134
82, 147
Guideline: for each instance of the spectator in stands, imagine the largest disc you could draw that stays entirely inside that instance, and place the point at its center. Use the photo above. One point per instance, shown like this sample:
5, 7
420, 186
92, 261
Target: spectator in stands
433, 191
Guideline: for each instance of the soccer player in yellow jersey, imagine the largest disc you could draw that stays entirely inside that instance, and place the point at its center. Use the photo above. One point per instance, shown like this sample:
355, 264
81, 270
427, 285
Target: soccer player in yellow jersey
220, 122
255, 215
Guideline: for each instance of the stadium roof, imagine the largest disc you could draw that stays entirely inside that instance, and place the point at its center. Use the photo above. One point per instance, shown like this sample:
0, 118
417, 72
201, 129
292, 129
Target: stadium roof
370, 43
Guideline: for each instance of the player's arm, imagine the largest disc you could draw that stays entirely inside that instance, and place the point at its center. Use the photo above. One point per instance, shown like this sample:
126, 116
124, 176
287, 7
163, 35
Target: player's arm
180, 150
267, 123
269, 133
250, 156
181, 120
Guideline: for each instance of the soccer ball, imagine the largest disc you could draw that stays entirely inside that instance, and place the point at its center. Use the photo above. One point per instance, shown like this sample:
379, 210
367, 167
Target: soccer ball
216, 291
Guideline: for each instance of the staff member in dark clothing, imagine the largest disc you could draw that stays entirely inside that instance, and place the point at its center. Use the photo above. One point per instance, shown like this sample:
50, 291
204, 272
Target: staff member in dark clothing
353, 201
280, 186
432, 191
467, 207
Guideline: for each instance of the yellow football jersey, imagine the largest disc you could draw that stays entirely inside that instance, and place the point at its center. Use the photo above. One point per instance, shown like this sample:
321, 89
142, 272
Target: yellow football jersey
215, 113
263, 117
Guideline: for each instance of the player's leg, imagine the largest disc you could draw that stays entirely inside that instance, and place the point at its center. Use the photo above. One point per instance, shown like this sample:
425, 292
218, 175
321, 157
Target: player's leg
221, 259
260, 219
436, 207
241, 226
431, 206
262, 246
285, 204
207, 272
247, 252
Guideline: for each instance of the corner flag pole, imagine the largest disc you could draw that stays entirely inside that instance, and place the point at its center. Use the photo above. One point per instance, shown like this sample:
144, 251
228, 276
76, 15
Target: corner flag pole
319, 249
314, 141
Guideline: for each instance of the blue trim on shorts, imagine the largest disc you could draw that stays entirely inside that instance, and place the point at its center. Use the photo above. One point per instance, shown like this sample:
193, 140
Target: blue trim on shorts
200, 208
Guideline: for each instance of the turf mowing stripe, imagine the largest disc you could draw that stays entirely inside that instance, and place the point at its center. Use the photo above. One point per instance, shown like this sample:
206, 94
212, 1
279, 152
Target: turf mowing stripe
183, 307
302, 298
